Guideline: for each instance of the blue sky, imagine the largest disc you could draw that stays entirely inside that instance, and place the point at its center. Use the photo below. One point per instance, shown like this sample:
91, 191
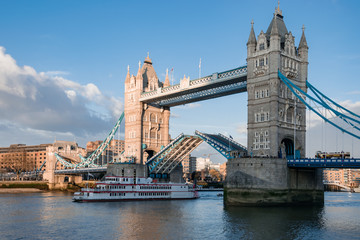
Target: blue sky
63, 63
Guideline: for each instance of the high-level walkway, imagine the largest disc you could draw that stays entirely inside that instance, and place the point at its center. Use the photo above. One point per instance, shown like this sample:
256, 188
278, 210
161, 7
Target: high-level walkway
188, 91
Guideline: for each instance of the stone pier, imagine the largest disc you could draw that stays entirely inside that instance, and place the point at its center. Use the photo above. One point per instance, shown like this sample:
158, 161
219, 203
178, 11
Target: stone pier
269, 182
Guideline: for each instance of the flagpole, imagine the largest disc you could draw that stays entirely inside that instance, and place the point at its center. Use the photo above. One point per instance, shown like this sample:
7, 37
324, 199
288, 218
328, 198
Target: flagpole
200, 68
172, 76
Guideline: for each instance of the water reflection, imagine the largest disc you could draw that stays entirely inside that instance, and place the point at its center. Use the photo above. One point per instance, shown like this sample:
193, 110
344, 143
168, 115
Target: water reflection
277, 222
54, 216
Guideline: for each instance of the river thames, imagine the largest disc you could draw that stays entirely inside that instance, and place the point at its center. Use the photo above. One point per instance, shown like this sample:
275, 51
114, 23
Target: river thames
52, 215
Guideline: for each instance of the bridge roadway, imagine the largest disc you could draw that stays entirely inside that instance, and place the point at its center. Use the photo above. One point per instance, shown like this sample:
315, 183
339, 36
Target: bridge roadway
81, 170
324, 163
188, 91
292, 163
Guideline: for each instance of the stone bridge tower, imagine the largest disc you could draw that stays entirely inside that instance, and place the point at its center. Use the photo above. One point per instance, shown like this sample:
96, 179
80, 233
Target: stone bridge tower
146, 127
275, 116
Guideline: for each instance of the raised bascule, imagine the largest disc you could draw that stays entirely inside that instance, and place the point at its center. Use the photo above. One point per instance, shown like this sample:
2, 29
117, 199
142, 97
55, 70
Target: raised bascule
272, 169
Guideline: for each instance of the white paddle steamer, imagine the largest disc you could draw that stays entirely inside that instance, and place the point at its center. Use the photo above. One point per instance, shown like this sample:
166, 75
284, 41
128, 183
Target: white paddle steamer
128, 188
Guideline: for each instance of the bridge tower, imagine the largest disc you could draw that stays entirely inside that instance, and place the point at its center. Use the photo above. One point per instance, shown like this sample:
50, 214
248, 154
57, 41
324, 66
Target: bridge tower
275, 116
146, 126
275, 119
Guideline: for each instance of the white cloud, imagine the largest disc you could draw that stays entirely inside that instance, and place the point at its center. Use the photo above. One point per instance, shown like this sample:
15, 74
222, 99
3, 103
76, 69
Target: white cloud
354, 93
190, 106
42, 104
242, 129
174, 115
56, 73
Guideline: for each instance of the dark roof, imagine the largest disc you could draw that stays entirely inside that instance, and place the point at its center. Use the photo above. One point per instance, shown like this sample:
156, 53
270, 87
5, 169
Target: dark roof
281, 27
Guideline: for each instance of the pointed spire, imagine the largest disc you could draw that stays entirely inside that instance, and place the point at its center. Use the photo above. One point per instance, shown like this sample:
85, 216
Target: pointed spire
139, 75
277, 10
274, 28
147, 59
127, 79
303, 43
167, 82
252, 38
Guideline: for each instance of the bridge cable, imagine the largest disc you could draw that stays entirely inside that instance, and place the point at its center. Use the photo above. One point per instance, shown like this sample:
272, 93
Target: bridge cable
291, 86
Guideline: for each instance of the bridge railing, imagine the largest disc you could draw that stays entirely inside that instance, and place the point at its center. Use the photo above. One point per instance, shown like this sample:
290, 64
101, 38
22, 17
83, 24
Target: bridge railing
325, 163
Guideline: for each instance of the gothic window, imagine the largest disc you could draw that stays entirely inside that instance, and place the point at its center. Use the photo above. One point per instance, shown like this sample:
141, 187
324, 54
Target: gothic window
152, 118
262, 117
262, 93
266, 133
289, 115
256, 63
267, 116
266, 61
153, 133
256, 94
267, 93
261, 62
262, 46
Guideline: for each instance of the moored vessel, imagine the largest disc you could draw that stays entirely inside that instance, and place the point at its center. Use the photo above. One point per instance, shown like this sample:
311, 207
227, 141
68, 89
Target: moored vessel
116, 188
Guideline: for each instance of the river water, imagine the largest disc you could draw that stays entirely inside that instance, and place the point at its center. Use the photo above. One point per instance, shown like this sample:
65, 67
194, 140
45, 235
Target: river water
52, 215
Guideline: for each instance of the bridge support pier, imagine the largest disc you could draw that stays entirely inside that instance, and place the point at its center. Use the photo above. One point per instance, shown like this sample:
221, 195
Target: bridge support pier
269, 182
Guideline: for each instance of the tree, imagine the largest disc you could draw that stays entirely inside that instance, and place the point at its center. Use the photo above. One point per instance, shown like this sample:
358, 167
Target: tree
215, 175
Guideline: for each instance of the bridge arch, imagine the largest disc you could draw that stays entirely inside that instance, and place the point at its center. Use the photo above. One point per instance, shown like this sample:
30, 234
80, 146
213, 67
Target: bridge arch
149, 153
288, 145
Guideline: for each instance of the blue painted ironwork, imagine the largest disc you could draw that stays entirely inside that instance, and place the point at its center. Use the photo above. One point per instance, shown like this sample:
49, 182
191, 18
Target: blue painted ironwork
154, 161
324, 163
64, 162
222, 144
95, 155
42, 165
89, 161
291, 86
81, 170
165, 161
333, 102
177, 154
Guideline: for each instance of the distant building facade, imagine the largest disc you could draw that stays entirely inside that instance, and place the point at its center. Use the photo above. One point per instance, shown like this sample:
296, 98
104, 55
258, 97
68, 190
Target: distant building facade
202, 163
223, 170
189, 165
110, 154
20, 157
346, 177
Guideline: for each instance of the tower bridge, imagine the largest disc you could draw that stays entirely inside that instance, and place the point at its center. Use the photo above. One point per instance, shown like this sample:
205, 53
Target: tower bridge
272, 168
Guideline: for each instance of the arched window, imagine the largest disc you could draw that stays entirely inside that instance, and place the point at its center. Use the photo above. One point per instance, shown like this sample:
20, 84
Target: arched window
153, 133
290, 115
152, 118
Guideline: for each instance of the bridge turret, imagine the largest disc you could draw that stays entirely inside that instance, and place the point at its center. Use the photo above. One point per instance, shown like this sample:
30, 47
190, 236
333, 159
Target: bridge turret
303, 54
251, 44
139, 78
167, 82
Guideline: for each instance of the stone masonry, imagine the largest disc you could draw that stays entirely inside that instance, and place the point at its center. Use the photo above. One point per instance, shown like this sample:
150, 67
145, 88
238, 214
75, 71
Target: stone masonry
272, 111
